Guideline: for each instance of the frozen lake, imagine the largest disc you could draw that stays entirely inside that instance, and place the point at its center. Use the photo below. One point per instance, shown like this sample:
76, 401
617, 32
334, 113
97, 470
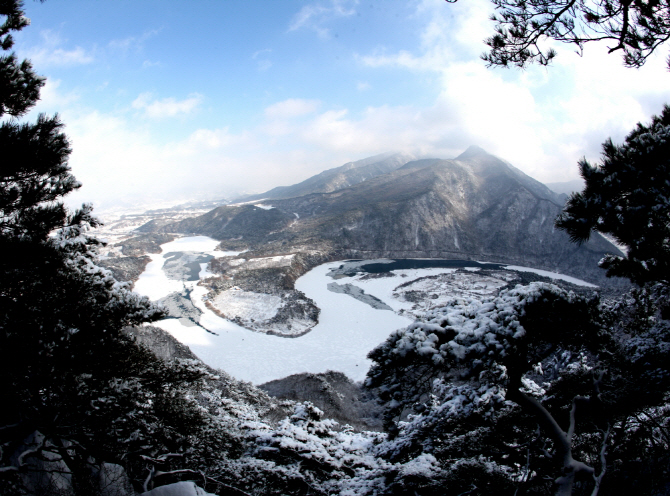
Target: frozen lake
348, 327
347, 331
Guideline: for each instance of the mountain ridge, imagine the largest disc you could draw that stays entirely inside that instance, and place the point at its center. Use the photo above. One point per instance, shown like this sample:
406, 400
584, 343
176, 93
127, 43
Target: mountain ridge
476, 207
336, 178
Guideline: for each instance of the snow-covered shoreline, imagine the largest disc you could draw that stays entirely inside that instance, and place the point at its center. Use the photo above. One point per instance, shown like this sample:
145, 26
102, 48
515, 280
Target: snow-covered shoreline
348, 329
340, 341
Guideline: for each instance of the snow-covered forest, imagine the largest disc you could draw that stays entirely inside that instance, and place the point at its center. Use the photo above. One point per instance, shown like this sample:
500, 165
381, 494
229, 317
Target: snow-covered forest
535, 390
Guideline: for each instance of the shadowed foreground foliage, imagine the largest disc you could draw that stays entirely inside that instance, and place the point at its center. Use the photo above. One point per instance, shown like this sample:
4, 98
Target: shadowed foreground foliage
536, 390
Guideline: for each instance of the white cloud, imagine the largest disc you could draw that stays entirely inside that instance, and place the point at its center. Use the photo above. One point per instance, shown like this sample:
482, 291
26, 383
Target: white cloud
451, 32
119, 160
541, 119
133, 42
260, 53
51, 98
148, 63
50, 53
315, 15
167, 107
293, 107
262, 60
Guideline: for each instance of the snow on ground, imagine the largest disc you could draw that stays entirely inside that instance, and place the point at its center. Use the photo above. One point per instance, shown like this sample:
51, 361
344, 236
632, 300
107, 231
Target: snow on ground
417, 290
437, 291
264, 207
348, 328
267, 262
383, 287
154, 283
183, 488
247, 304
239, 204
347, 331
359, 294
552, 275
110, 251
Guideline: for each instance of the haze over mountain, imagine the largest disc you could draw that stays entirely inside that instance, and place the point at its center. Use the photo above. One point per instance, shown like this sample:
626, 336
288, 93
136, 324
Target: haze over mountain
567, 187
475, 206
338, 178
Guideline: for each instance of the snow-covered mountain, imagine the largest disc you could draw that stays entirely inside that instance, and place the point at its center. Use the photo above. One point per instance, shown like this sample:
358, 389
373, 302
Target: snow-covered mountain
476, 207
567, 187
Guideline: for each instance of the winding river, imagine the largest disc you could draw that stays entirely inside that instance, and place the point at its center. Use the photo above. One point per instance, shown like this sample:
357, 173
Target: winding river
347, 331
348, 327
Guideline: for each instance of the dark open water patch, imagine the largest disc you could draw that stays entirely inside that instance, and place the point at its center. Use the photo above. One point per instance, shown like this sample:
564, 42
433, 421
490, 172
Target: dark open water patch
350, 268
415, 263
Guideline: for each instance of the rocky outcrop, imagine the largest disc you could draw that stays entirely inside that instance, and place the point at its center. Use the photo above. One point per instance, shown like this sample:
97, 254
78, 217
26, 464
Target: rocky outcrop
141, 245
166, 347
161, 343
134, 260
334, 393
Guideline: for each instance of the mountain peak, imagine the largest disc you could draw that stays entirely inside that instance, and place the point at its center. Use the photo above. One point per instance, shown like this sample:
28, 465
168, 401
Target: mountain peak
473, 151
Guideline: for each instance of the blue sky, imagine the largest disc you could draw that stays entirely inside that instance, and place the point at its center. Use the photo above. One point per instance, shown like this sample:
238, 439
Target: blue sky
173, 100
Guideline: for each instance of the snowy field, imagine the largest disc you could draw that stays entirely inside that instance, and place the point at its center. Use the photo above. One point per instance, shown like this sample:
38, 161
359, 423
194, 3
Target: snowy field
348, 329
349, 326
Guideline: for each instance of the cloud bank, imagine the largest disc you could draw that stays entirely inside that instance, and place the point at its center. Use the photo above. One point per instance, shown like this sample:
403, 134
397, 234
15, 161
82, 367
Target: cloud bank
542, 120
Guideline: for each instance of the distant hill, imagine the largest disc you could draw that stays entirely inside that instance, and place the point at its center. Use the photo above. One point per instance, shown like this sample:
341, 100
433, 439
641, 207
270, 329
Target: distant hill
476, 206
567, 187
338, 178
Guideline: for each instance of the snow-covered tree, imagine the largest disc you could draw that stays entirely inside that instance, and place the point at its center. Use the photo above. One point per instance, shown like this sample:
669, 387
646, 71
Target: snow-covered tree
75, 391
470, 359
536, 388
627, 196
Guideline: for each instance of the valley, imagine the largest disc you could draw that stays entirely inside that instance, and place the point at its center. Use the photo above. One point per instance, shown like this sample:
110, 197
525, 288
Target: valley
351, 310
269, 286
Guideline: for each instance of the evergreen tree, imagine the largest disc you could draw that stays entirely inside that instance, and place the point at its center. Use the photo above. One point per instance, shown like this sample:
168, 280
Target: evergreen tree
533, 389
76, 390
627, 196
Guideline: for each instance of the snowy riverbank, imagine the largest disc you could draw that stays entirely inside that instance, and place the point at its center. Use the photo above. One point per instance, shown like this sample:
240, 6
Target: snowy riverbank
349, 325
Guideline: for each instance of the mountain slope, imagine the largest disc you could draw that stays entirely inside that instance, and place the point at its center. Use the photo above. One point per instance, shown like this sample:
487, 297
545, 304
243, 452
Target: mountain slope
474, 207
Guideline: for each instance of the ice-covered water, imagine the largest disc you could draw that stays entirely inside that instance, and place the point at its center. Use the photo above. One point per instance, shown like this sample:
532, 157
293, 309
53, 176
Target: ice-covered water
347, 331
552, 275
154, 283
348, 328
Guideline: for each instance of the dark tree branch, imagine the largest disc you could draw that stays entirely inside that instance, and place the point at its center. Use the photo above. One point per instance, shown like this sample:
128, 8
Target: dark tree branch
562, 440
522, 26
